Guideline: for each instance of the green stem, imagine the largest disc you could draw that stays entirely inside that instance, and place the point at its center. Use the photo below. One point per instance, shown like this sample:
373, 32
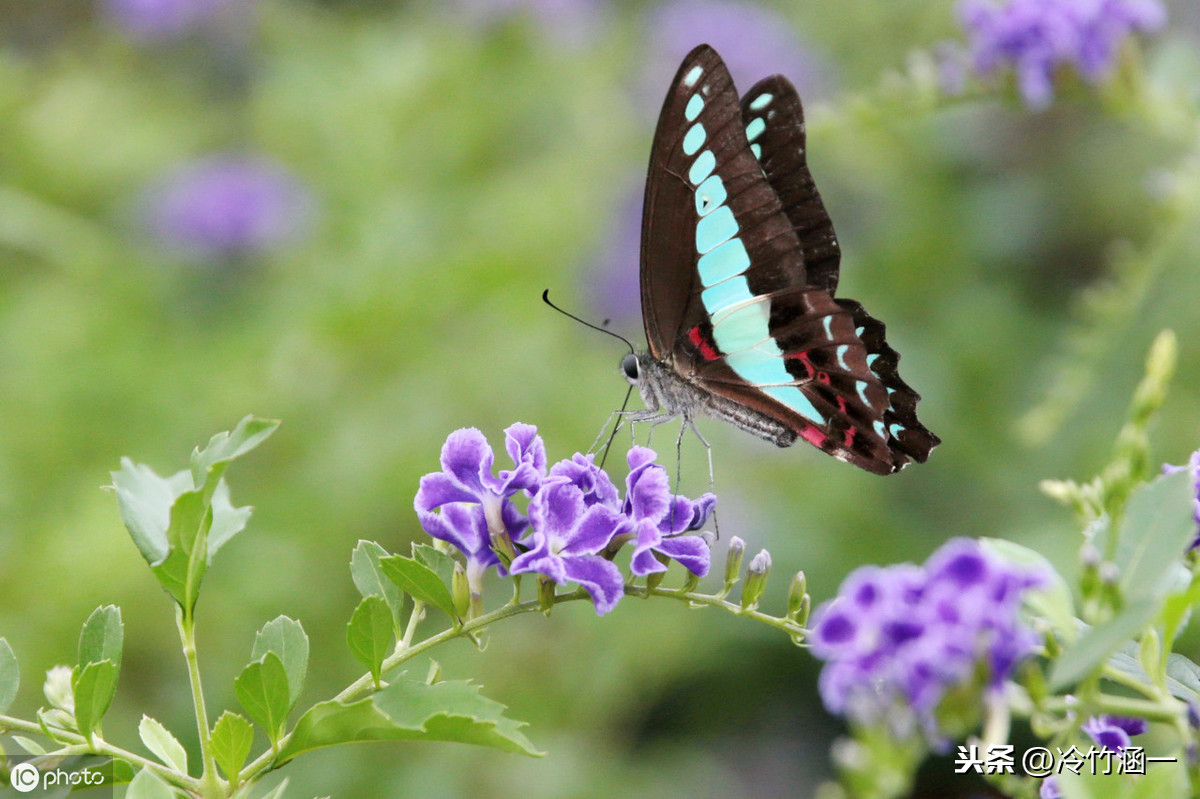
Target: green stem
405, 651
77, 744
210, 782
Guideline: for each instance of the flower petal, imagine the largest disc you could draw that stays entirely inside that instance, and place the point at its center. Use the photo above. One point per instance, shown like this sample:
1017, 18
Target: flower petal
438, 489
689, 550
599, 577
594, 530
540, 561
556, 508
465, 456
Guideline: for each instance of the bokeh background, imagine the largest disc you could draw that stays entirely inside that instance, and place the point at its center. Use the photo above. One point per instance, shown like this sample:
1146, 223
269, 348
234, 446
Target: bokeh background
342, 213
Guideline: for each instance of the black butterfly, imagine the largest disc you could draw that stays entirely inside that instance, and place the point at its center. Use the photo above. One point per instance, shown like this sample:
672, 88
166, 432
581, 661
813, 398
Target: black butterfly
739, 269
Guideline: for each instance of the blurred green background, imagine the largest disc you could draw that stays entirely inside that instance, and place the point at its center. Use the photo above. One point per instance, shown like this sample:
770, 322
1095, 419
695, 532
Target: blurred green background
343, 213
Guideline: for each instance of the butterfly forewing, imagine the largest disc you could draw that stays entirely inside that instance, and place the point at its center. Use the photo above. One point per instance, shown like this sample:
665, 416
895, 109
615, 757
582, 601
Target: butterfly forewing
709, 212
774, 120
729, 302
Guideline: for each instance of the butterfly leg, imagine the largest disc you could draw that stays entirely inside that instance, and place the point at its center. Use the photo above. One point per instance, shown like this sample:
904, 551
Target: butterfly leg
711, 481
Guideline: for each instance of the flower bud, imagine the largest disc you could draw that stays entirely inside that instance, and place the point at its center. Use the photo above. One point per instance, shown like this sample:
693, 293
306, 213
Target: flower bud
756, 579
546, 594
57, 689
460, 591
797, 593
502, 545
733, 561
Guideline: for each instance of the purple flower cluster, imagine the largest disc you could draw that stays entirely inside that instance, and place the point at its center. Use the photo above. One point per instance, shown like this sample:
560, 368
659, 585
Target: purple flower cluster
1036, 37
902, 636
228, 204
1193, 465
576, 518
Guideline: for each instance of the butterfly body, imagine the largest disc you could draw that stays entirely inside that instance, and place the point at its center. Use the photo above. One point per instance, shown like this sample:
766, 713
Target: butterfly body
739, 269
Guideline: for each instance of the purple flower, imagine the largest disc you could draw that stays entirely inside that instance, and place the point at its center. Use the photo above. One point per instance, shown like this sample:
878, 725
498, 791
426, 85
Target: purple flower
659, 517
902, 636
566, 538
229, 204
475, 504
1036, 37
577, 520
1193, 465
582, 472
1113, 732
1049, 789
162, 19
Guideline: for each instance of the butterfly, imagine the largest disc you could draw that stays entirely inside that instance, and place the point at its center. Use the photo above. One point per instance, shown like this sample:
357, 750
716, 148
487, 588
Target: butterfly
739, 268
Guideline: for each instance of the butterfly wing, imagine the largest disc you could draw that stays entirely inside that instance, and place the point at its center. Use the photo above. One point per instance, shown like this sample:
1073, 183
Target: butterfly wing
727, 299
774, 120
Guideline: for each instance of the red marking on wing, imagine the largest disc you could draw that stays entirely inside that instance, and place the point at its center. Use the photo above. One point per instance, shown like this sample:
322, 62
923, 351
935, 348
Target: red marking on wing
803, 358
813, 436
848, 441
707, 350
823, 377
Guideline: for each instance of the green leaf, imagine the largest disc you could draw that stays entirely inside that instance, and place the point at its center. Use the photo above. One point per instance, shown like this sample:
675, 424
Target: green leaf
10, 676
418, 581
441, 563
148, 785
227, 522
94, 685
1051, 601
225, 447
370, 633
276, 792
29, 745
410, 711
144, 500
102, 636
370, 580
262, 688
1183, 677
1157, 529
232, 738
159, 740
286, 639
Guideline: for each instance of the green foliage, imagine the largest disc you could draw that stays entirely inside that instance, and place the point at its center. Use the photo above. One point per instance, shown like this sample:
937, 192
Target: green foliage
371, 634
411, 711
1157, 526
10, 676
370, 580
419, 581
232, 738
179, 523
262, 688
286, 639
159, 740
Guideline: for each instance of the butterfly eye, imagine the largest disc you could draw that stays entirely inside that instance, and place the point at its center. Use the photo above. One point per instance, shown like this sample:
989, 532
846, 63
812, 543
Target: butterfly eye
629, 365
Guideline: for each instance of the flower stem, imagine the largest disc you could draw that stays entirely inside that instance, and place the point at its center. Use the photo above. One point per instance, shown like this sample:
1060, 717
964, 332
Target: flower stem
210, 783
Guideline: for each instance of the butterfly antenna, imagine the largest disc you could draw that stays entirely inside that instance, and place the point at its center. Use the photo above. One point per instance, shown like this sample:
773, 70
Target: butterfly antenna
602, 328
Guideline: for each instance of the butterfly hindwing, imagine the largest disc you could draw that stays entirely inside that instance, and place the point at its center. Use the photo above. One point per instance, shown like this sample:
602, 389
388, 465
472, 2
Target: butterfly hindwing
730, 302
